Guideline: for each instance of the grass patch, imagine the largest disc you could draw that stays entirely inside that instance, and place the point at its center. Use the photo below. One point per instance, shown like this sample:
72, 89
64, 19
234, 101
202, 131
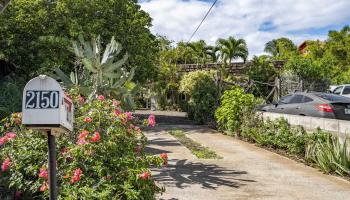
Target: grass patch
196, 148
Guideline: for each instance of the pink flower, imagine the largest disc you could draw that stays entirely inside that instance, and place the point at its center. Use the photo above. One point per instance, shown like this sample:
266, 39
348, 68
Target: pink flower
43, 173
5, 165
81, 137
116, 103
81, 100
129, 115
151, 120
145, 175
3, 140
96, 137
11, 135
83, 134
137, 129
87, 119
76, 176
81, 141
164, 156
117, 112
44, 187
101, 97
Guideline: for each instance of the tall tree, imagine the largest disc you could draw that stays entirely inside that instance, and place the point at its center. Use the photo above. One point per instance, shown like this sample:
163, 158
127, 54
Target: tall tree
35, 35
232, 48
200, 50
338, 45
213, 53
280, 48
271, 47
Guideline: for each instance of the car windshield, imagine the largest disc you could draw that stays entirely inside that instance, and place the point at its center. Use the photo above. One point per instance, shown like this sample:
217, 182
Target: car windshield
333, 97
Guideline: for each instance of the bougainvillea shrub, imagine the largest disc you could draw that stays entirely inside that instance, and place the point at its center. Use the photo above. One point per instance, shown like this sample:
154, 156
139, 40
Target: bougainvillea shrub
103, 158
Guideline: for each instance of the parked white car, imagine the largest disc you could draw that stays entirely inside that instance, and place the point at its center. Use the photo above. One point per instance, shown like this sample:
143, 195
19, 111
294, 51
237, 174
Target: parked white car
343, 90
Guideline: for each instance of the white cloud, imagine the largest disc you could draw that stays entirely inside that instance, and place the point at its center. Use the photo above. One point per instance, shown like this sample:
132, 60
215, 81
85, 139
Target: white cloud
296, 19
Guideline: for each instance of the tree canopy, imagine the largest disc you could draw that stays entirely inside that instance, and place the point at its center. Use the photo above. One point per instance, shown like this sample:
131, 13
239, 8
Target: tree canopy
35, 35
280, 48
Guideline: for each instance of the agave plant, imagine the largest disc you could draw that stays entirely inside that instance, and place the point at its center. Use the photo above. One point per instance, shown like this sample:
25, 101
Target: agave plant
107, 72
78, 78
331, 156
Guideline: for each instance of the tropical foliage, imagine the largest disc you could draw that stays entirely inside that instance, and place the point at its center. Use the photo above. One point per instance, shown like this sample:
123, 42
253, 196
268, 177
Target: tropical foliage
236, 117
101, 128
330, 155
171, 56
320, 62
231, 49
281, 48
35, 35
234, 103
262, 72
200, 86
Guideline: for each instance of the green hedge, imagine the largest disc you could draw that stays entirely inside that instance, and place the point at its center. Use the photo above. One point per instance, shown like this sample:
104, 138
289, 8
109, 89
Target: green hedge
200, 86
234, 104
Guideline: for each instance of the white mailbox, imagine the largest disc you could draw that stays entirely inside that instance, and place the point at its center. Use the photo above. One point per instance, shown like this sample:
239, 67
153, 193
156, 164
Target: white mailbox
45, 106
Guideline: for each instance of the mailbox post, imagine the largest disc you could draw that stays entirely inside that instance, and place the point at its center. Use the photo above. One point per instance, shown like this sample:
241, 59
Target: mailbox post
46, 107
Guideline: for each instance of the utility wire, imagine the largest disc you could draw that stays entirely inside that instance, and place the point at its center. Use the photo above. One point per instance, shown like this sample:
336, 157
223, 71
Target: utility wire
200, 24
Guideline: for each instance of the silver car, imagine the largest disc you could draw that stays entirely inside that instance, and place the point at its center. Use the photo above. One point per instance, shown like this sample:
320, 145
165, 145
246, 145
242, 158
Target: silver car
312, 104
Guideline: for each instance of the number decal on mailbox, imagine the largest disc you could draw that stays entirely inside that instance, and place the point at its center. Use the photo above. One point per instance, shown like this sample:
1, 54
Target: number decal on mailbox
42, 99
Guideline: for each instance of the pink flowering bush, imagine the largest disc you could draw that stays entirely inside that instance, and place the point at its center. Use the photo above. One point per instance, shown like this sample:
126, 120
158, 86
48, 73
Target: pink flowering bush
103, 158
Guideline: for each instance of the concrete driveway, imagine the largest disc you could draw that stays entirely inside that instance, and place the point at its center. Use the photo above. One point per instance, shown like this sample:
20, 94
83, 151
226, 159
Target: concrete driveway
245, 172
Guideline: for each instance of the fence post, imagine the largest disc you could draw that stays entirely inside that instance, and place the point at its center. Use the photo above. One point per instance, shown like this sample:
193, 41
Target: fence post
278, 88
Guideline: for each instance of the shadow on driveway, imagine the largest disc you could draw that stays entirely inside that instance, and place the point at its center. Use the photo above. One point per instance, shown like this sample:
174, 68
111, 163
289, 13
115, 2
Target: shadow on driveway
209, 176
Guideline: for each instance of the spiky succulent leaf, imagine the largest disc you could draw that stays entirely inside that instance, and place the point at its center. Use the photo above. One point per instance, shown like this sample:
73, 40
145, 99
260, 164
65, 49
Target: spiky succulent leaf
63, 77
89, 64
114, 66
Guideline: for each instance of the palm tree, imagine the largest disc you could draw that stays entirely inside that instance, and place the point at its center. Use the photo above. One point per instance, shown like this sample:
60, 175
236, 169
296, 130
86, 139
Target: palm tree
229, 49
199, 49
213, 53
232, 48
271, 47
280, 46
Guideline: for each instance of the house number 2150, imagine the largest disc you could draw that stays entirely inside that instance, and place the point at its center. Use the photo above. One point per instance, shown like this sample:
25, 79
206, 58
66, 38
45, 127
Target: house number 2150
41, 99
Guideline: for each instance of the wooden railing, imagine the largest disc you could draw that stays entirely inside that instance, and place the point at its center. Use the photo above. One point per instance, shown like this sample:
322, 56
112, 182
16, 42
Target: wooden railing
234, 68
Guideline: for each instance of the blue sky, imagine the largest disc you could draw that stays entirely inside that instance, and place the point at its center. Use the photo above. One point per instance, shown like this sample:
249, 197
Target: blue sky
257, 21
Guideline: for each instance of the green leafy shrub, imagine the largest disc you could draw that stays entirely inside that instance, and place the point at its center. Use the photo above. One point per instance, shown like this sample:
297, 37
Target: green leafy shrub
102, 159
320, 148
275, 134
203, 93
279, 134
234, 104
